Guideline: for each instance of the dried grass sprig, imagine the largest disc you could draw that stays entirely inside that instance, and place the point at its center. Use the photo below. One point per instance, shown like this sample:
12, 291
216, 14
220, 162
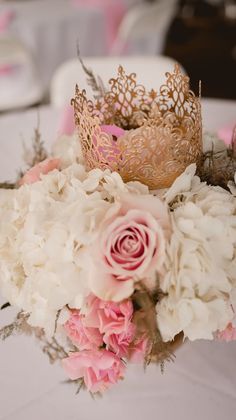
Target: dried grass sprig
94, 82
37, 153
219, 167
52, 348
7, 185
31, 156
145, 320
19, 325
79, 384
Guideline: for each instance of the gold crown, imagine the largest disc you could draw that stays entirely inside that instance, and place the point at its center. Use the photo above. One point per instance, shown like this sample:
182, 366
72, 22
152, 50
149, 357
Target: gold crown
162, 131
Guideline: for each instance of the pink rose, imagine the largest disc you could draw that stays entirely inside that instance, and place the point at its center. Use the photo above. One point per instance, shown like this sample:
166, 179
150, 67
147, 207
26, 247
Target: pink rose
85, 338
99, 368
42, 168
130, 247
229, 334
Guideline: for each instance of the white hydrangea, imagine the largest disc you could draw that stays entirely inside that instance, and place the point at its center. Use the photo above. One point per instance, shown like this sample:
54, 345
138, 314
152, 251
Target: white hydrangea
200, 268
44, 230
68, 149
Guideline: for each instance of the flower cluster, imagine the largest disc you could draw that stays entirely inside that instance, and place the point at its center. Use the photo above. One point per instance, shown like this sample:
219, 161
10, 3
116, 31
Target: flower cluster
201, 261
108, 265
103, 335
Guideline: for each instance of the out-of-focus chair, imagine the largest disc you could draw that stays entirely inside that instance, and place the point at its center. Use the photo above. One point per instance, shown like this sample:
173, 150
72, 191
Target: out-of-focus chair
19, 83
144, 27
150, 72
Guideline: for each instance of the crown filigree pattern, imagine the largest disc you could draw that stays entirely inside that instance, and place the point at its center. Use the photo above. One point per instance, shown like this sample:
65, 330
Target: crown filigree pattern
162, 130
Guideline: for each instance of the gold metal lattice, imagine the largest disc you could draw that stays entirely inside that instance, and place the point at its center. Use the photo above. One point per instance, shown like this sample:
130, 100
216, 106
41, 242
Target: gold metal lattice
163, 131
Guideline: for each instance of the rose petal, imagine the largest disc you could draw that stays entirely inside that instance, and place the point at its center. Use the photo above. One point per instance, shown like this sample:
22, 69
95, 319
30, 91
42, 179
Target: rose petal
107, 287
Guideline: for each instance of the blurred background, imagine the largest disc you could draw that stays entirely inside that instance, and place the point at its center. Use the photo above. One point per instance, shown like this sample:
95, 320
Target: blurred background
39, 39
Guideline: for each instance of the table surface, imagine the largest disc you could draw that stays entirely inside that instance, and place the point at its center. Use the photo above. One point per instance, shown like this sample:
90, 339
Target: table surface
200, 384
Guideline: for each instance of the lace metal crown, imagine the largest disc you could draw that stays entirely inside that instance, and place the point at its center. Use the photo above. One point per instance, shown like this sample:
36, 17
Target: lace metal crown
162, 130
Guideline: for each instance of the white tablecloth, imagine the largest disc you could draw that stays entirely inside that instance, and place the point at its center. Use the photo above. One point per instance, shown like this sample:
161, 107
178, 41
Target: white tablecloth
200, 385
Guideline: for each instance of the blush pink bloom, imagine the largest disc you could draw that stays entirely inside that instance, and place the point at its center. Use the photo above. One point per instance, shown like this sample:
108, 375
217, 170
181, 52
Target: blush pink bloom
42, 168
130, 247
120, 343
229, 334
109, 317
85, 338
6, 17
114, 321
99, 368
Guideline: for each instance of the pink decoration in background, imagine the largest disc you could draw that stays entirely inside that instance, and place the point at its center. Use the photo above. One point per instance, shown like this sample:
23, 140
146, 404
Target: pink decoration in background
114, 10
6, 18
6, 69
225, 133
66, 121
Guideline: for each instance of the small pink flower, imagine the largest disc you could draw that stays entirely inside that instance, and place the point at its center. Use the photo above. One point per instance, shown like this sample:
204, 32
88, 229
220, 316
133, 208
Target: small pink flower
109, 317
99, 368
229, 334
85, 338
130, 247
42, 168
114, 321
120, 343
139, 350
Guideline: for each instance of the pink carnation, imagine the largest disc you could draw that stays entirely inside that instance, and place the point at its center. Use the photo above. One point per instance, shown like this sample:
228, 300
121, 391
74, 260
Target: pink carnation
42, 168
109, 317
229, 334
99, 368
85, 338
114, 321
120, 343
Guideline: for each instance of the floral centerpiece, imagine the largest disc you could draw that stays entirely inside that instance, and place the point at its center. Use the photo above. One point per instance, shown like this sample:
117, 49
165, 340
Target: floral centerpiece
122, 242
